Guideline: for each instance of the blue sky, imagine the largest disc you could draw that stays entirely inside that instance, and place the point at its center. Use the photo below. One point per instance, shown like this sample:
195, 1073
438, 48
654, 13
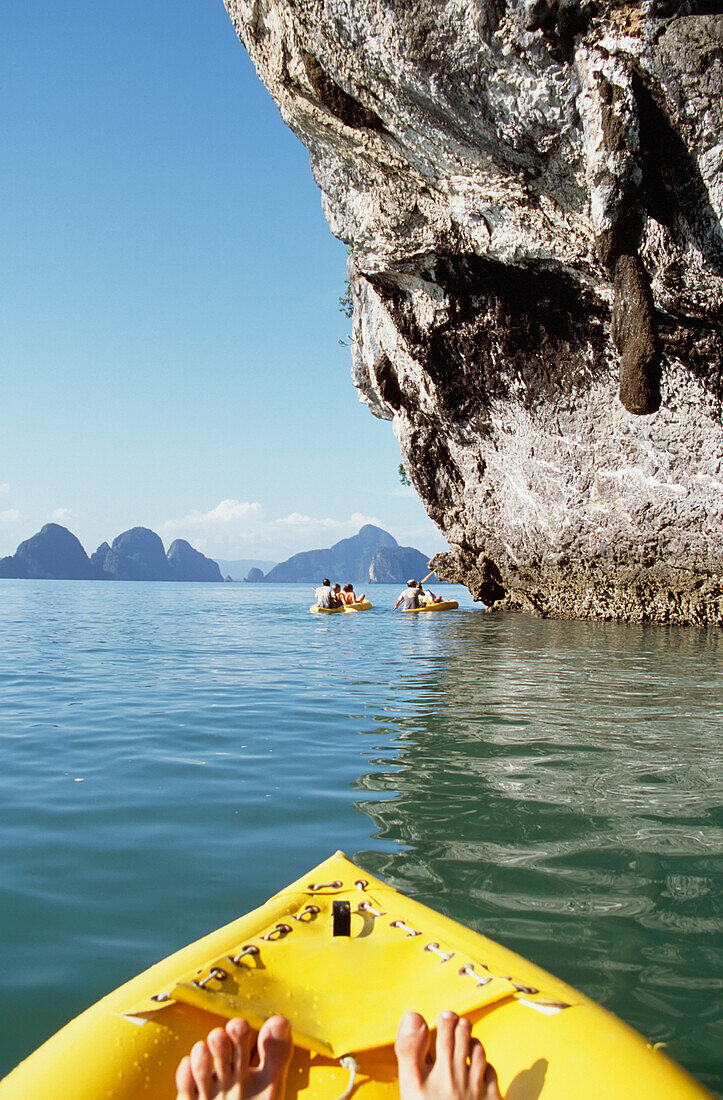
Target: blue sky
169, 321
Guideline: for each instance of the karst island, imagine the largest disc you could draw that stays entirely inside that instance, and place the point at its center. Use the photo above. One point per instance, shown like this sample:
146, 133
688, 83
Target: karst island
531, 193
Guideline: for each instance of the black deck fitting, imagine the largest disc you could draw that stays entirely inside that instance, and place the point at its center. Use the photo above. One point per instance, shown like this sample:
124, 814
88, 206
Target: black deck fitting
341, 911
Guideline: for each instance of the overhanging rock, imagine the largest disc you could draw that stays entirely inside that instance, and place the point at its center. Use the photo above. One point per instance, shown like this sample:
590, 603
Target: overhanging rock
532, 192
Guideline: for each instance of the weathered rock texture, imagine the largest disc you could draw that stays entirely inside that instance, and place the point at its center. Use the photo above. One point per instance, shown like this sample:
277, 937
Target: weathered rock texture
532, 192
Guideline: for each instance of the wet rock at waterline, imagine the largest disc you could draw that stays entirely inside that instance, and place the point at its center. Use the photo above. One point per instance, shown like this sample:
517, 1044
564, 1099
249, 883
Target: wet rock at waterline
533, 194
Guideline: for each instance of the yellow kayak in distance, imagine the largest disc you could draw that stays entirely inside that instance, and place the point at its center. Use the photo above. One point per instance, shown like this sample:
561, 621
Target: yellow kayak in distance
445, 605
364, 605
343, 955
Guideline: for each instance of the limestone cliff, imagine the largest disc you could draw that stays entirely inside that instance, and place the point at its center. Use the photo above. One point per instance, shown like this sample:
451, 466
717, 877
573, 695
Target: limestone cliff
532, 193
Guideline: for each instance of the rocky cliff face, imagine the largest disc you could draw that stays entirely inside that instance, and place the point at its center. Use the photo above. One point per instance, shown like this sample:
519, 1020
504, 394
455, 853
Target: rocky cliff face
532, 193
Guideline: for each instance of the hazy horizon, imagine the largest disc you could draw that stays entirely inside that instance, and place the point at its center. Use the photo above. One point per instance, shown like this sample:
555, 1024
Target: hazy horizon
226, 559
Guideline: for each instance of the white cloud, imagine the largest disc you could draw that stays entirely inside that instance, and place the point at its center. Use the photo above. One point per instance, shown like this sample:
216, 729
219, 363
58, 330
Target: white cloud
60, 515
11, 515
4, 487
236, 528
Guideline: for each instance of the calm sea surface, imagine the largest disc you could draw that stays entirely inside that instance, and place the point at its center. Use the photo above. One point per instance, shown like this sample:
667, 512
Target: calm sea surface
173, 754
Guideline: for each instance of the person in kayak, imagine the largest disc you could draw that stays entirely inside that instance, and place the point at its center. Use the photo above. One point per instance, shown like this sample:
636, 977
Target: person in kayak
427, 596
220, 1068
325, 595
349, 596
409, 597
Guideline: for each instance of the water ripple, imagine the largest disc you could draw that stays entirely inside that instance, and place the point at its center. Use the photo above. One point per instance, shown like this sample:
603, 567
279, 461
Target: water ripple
173, 754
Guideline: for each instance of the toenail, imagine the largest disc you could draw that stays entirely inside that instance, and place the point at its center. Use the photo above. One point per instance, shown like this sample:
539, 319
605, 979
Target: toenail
411, 1021
447, 1014
280, 1028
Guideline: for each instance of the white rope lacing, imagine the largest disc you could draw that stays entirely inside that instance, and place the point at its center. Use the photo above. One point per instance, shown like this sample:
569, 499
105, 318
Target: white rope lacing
349, 1062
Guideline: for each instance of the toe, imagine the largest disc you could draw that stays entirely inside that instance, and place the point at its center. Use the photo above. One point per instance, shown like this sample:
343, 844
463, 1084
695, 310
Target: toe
491, 1085
202, 1070
275, 1047
241, 1037
477, 1068
446, 1028
411, 1047
221, 1050
462, 1036
184, 1081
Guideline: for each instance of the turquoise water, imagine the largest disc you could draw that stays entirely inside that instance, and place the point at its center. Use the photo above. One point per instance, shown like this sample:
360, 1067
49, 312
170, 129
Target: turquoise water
174, 754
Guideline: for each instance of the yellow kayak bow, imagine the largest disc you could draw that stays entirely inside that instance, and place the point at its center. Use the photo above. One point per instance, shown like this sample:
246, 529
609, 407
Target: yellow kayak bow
343, 955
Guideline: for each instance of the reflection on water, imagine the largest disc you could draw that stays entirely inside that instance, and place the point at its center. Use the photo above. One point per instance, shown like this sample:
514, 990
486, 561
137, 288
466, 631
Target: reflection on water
557, 790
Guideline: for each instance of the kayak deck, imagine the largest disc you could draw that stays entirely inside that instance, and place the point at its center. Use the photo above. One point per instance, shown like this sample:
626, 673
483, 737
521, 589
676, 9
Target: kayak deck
364, 605
344, 994
444, 605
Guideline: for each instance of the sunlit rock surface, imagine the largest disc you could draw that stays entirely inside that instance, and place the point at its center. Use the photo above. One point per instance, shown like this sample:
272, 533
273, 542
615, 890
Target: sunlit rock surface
532, 192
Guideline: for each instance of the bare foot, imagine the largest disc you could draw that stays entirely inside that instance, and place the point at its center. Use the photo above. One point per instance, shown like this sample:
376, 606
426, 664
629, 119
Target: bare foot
460, 1070
220, 1069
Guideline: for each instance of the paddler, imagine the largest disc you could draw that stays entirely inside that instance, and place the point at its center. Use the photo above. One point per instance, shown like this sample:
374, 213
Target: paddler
348, 595
325, 595
409, 597
426, 595
220, 1068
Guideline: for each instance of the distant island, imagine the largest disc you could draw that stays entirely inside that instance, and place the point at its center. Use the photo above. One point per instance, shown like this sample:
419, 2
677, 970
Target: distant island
136, 555
372, 556
240, 569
